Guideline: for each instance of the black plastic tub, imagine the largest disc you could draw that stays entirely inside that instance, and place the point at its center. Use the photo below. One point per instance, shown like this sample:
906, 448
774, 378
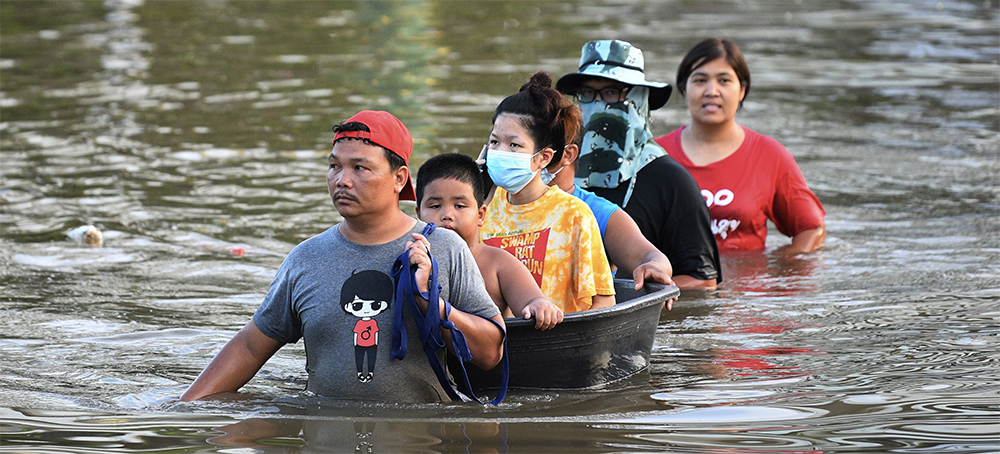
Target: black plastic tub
588, 349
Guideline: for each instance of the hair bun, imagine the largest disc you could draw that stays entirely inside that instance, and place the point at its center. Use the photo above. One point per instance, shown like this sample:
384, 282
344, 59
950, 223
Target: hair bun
540, 80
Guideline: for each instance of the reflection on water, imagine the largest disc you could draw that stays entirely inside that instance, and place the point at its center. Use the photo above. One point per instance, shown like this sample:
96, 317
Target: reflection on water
194, 135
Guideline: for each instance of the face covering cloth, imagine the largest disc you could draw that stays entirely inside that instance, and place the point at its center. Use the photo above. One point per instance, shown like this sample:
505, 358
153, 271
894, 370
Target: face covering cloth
617, 142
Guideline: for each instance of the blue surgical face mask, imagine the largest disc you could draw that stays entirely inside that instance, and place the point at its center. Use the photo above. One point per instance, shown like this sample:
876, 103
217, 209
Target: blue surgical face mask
547, 176
510, 170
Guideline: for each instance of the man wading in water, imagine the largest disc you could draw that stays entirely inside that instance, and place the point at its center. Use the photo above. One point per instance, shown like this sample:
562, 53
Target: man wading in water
314, 298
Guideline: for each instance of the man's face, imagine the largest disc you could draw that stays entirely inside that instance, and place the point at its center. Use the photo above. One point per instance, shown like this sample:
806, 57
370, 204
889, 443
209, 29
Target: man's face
360, 179
599, 88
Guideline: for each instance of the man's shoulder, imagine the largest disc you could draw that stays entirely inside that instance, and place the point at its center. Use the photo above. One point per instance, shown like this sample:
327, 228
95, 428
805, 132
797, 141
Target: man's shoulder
316, 242
449, 246
663, 166
444, 237
666, 175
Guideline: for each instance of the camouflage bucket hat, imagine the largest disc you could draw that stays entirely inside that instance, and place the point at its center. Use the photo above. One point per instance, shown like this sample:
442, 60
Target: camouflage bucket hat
616, 60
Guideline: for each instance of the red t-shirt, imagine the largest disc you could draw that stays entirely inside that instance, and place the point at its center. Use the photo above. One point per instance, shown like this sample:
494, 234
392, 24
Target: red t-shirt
759, 181
366, 331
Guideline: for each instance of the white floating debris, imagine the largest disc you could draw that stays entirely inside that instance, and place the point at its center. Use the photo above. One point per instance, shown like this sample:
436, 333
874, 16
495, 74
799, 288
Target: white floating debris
88, 235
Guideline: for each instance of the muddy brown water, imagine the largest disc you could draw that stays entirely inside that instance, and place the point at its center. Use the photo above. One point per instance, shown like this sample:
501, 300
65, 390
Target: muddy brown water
194, 135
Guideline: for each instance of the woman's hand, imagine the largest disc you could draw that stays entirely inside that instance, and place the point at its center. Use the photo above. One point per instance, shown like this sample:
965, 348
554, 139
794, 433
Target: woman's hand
481, 159
806, 241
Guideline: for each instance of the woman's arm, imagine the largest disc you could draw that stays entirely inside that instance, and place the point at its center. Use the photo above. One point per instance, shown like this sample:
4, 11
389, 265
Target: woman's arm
245, 433
795, 206
234, 365
806, 241
685, 282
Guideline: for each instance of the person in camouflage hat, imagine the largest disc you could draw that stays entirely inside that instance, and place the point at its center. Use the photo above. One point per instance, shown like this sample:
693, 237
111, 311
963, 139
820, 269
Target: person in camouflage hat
620, 161
617, 141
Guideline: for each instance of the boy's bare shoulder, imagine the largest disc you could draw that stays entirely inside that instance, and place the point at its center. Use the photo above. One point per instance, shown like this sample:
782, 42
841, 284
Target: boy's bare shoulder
496, 258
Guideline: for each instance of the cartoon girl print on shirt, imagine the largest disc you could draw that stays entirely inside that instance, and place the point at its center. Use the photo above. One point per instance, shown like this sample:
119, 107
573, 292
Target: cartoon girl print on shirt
364, 295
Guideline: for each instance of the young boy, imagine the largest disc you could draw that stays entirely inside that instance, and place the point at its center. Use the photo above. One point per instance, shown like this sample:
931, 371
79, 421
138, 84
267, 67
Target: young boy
450, 193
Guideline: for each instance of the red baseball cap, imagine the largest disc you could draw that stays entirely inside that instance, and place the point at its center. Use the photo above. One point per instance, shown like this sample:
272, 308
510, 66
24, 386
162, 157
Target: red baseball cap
385, 130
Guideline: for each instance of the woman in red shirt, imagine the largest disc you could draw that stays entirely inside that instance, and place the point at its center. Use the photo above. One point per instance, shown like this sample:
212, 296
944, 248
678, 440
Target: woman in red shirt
745, 177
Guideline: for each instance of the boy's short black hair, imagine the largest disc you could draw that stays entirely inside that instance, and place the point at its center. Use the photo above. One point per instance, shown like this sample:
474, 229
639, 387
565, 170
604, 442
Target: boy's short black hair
456, 166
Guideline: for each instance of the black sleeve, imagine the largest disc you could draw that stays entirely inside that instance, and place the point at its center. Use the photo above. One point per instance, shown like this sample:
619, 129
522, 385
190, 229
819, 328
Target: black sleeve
667, 205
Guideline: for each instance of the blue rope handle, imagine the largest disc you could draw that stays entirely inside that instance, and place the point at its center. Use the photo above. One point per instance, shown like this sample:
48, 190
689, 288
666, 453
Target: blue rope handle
430, 325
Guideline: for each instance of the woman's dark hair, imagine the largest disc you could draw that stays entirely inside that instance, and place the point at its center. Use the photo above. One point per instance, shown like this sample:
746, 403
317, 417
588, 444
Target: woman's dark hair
709, 50
551, 119
451, 165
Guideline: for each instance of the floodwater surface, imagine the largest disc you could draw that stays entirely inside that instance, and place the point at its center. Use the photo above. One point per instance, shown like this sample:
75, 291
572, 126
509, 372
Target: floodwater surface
194, 135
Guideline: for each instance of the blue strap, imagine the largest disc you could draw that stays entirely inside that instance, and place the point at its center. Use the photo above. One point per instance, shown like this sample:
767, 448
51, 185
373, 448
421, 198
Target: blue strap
430, 325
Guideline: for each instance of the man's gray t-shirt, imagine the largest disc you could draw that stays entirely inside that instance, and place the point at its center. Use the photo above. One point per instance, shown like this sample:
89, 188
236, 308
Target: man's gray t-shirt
339, 297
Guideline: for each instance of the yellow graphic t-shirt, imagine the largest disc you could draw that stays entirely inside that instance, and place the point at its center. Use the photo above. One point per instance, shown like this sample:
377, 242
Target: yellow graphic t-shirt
559, 241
